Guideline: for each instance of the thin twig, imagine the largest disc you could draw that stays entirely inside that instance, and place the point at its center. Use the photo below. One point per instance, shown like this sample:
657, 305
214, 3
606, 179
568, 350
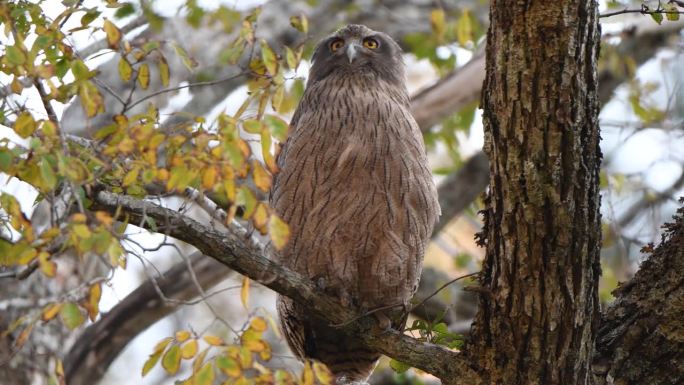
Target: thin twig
442, 288
73, 8
171, 89
102, 44
44, 99
641, 11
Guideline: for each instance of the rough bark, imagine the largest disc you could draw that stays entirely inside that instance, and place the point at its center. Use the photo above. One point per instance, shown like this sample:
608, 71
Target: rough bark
641, 338
539, 304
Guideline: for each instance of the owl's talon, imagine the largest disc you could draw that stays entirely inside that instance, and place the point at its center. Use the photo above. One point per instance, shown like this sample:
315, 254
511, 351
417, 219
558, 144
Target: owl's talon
384, 323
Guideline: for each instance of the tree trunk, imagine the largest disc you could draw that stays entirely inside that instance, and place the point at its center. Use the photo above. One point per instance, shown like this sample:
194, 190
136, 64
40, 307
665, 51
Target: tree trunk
539, 306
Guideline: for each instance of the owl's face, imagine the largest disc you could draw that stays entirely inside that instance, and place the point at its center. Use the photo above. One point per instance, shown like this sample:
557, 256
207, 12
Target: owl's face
357, 50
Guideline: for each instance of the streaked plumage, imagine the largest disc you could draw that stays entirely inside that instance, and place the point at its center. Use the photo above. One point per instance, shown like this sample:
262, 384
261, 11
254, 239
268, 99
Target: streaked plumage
356, 190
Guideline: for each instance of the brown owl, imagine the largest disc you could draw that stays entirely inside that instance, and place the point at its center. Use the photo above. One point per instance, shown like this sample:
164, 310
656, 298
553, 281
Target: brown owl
355, 188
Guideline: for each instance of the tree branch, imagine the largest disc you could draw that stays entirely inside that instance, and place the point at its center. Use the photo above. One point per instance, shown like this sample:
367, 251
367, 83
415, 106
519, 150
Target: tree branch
246, 257
640, 337
98, 346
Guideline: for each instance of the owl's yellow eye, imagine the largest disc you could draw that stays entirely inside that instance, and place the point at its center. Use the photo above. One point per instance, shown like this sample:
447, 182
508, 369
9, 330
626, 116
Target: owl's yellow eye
370, 43
336, 44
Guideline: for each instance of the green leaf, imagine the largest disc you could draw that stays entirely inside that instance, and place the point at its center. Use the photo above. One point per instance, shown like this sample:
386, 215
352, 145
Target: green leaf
126, 9
80, 70
48, 174
88, 18
277, 126
205, 376
228, 366
171, 359
657, 16
71, 315
252, 126
15, 55
185, 58
399, 366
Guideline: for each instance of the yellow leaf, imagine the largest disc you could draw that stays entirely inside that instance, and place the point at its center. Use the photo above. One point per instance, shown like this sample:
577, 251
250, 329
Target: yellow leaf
171, 359
125, 69
244, 292
205, 376
154, 357
279, 231
322, 373
51, 311
291, 58
144, 76
300, 23
189, 349
260, 218
213, 340
23, 336
161, 345
182, 335
464, 28
307, 374
163, 71
49, 268
104, 218
228, 366
24, 126
258, 324
48, 128
209, 178
94, 295
438, 21
82, 231
91, 99
197, 364
245, 358
113, 34
269, 58
130, 177
277, 97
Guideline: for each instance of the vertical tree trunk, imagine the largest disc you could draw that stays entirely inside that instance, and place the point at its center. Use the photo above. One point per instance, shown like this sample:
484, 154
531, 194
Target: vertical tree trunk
539, 307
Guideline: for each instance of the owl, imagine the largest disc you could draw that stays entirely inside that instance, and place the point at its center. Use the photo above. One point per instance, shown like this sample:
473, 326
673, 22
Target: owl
356, 190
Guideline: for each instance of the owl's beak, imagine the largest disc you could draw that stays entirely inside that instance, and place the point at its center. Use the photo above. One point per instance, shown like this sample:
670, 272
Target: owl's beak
351, 51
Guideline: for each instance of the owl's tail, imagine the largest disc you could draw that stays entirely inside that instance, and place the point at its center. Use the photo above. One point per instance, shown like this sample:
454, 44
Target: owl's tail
351, 365
350, 362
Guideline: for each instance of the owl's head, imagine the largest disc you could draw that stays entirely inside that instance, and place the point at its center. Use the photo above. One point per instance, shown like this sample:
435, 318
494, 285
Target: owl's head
357, 50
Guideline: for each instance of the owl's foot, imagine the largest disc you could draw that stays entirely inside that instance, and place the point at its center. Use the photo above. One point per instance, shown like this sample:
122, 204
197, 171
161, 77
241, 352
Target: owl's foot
384, 322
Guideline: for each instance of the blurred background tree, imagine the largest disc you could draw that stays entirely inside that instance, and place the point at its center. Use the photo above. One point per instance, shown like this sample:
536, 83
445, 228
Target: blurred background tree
182, 102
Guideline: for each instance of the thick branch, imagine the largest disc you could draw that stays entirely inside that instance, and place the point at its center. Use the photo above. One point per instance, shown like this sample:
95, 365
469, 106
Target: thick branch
246, 257
640, 337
